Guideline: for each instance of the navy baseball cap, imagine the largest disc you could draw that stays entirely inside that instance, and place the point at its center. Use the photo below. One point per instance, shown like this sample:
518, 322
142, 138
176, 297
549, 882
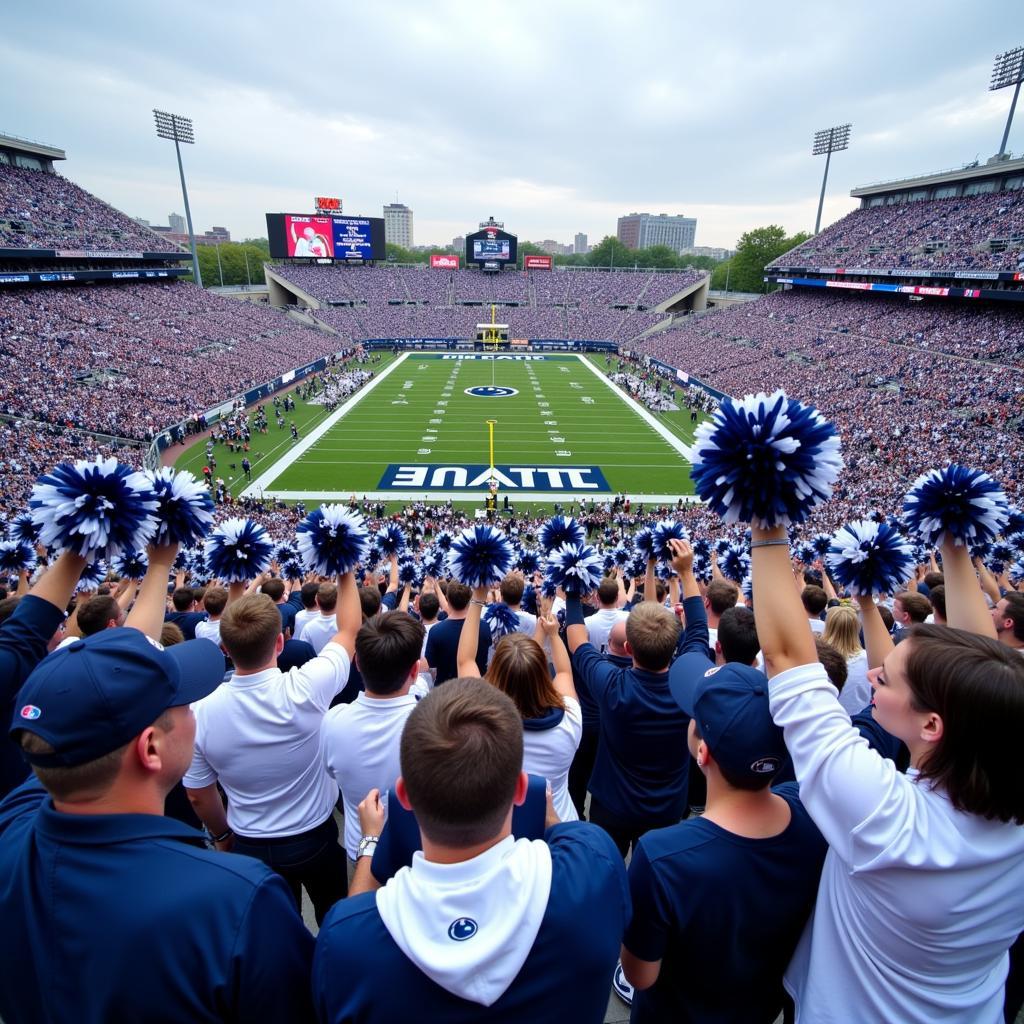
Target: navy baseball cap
96, 694
729, 703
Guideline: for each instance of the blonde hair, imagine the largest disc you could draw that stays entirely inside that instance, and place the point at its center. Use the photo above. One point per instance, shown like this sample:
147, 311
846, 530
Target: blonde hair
842, 630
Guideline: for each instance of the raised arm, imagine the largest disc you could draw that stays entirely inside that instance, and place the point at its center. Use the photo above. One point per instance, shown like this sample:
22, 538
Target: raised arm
650, 586
148, 613
782, 625
348, 614
58, 583
987, 580
965, 606
469, 641
548, 625
877, 640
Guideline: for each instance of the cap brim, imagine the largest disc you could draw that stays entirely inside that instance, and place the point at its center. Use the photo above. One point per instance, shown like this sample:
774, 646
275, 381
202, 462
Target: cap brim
685, 676
200, 667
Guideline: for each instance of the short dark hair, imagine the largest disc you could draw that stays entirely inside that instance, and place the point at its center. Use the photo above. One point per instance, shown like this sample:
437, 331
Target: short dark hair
937, 596
369, 601
916, 605
737, 633
815, 600
308, 595
887, 618
933, 580
183, 598
274, 589
429, 606
512, 587
836, 667
608, 592
94, 614
387, 647
461, 754
215, 599
1015, 611
458, 595
327, 597
722, 595
976, 686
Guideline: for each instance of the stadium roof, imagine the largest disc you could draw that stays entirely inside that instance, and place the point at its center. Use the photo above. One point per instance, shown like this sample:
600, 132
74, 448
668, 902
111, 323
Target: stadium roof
16, 142
969, 172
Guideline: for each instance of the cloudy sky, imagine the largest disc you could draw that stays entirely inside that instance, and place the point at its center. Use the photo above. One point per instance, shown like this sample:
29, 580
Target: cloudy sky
555, 116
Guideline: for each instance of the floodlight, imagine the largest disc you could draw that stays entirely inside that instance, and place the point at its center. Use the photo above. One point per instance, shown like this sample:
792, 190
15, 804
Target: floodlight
826, 142
179, 129
1008, 70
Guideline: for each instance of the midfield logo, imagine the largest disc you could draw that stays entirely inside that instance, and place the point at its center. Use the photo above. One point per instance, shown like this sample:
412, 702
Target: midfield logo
478, 477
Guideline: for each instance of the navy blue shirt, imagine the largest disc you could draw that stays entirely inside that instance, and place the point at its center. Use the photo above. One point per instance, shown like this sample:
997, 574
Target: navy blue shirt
128, 917
643, 763
443, 648
186, 622
723, 913
23, 640
360, 974
287, 616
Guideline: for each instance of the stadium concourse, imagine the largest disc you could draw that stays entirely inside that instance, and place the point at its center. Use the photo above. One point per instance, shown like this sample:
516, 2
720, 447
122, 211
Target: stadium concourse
655, 662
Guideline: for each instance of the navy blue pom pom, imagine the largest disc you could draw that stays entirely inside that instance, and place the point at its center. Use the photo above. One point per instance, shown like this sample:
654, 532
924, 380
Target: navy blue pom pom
502, 620
434, 559
185, 507
23, 527
16, 556
529, 561
92, 576
443, 540
480, 556
869, 558
821, 543
643, 543
661, 533
767, 460
966, 505
131, 565
622, 555
390, 539
94, 508
286, 552
332, 540
575, 568
735, 563
408, 572
1014, 521
560, 530
806, 553
238, 550
292, 570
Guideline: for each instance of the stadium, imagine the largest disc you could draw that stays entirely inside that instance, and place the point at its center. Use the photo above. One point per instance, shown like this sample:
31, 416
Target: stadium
499, 389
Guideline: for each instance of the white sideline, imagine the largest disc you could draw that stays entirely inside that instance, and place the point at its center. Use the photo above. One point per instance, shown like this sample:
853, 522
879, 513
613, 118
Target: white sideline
655, 425
259, 486
518, 497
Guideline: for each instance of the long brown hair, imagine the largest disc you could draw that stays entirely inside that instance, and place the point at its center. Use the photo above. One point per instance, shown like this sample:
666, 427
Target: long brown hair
976, 686
519, 669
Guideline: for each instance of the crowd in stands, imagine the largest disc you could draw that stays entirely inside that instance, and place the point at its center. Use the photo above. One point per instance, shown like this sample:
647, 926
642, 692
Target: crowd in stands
42, 210
934, 234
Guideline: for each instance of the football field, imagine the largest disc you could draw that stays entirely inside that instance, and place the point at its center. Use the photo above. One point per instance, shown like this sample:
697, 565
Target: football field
420, 430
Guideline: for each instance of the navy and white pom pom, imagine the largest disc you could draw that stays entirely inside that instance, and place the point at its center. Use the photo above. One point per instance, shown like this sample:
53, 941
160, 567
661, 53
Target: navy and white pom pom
238, 550
92, 576
806, 553
965, 505
409, 573
480, 556
767, 460
622, 555
702, 548
23, 527
502, 620
735, 563
821, 542
664, 531
390, 539
608, 560
197, 566
443, 540
637, 566
332, 540
868, 558
185, 507
643, 543
529, 561
292, 570
17, 556
434, 561
559, 531
94, 508
1017, 575
286, 552
1014, 522
747, 586
373, 556
575, 568
130, 565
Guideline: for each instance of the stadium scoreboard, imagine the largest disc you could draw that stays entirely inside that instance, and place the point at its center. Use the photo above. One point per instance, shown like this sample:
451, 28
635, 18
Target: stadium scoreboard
325, 236
491, 249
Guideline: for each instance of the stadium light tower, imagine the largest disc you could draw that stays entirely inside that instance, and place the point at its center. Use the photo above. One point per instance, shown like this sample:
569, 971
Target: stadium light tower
179, 129
1008, 70
829, 141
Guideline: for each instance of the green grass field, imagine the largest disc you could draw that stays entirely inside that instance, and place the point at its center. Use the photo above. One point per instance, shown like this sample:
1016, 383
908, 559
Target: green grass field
416, 430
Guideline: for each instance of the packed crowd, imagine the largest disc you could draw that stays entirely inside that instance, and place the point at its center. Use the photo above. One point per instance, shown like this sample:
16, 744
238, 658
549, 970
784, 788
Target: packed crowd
42, 210
935, 234
649, 393
416, 302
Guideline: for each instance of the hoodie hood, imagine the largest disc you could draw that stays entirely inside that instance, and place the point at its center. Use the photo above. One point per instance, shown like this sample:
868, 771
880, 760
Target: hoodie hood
470, 926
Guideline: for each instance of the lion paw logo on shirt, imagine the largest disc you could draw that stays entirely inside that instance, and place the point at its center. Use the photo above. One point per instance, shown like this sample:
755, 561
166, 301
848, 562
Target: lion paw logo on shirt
462, 928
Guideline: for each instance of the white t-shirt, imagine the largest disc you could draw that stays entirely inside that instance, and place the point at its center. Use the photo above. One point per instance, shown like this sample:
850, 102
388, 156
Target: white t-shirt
599, 625
259, 736
360, 745
319, 630
817, 626
918, 902
209, 629
549, 752
302, 617
856, 693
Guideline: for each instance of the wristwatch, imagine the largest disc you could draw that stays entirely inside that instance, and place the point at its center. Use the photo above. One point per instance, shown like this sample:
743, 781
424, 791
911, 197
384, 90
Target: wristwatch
367, 845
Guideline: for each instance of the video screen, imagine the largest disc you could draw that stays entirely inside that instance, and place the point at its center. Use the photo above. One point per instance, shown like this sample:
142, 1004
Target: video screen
309, 236
352, 238
491, 249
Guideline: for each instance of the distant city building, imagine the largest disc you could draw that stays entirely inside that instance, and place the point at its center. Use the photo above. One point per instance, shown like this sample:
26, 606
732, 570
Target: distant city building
553, 248
216, 235
459, 242
398, 225
579, 243
142, 220
713, 251
177, 223
642, 230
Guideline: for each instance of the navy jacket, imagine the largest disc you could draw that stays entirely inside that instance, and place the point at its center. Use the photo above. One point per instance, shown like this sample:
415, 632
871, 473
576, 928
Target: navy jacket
128, 917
